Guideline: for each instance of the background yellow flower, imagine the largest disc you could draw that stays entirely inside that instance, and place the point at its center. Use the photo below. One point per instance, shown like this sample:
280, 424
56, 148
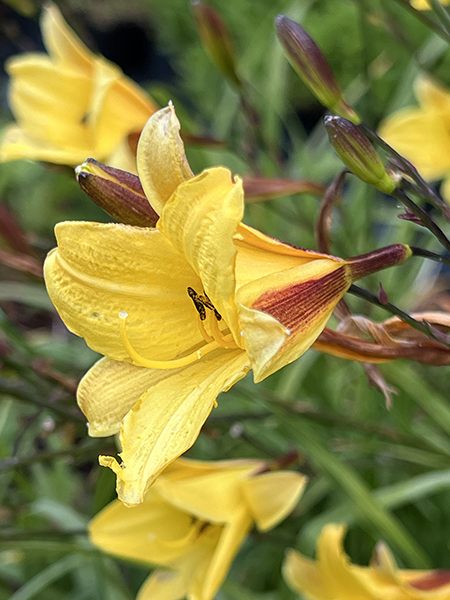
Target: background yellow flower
333, 577
71, 105
193, 522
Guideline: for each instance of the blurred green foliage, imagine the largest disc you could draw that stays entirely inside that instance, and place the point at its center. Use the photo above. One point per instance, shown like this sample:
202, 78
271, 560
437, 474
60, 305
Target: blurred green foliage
384, 472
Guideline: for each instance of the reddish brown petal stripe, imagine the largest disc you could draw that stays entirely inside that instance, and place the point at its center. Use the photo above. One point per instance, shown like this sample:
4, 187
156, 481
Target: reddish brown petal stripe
432, 580
302, 303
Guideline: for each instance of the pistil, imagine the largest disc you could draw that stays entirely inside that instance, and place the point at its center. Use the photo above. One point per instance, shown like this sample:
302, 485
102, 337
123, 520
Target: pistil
160, 364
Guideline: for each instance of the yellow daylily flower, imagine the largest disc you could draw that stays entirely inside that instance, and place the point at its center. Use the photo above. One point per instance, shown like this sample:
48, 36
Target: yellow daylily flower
71, 104
333, 577
193, 522
184, 310
425, 4
422, 134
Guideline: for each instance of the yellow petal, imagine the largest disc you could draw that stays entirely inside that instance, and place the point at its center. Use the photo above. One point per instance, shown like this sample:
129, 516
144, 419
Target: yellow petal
300, 300
331, 577
211, 496
109, 390
167, 419
141, 533
200, 219
61, 42
423, 137
99, 270
118, 107
259, 255
187, 572
17, 145
233, 534
431, 95
349, 583
49, 103
271, 497
162, 163
303, 575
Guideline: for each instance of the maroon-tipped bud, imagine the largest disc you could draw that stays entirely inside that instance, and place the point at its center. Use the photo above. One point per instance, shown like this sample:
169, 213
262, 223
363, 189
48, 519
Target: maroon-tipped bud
383, 258
357, 153
312, 67
217, 41
117, 192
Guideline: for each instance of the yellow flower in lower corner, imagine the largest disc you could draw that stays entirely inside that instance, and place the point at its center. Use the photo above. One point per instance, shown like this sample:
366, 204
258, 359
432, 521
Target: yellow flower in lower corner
183, 311
71, 104
193, 522
333, 577
422, 134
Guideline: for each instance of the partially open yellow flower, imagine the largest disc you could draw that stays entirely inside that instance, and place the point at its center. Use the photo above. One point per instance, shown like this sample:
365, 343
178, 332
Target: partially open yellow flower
71, 104
185, 310
333, 577
193, 522
422, 134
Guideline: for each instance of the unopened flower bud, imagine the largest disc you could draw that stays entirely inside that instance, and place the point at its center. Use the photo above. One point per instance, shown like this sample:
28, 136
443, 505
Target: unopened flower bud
357, 153
311, 66
257, 189
117, 192
216, 40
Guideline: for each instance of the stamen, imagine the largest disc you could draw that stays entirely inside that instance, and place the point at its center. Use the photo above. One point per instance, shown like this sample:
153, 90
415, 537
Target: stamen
160, 364
204, 333
224, 341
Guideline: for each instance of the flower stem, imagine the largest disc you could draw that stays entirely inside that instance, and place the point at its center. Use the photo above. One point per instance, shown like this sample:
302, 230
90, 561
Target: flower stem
424, 217
441, 14
425, 20
444, 260
409, 169
423, 326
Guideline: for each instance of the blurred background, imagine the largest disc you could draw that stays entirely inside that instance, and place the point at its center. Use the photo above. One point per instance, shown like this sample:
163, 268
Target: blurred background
384, 472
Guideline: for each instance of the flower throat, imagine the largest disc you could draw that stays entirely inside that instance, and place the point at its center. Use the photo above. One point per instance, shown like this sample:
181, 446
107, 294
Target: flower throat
214, 339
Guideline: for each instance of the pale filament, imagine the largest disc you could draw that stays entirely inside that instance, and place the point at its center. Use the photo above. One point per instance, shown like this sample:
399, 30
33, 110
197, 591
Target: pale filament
160, 364
218, 335
208, 339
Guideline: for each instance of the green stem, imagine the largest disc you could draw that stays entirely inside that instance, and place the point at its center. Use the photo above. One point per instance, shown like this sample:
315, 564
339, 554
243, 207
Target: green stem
424, 217
441, 14
444, 260
15, 462
425, 189
16, 389
424, 20
423, 327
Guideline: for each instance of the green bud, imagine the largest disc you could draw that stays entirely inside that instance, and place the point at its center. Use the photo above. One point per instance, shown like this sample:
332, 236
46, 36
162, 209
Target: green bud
217, 41
357, 153
117, 192
311, 66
